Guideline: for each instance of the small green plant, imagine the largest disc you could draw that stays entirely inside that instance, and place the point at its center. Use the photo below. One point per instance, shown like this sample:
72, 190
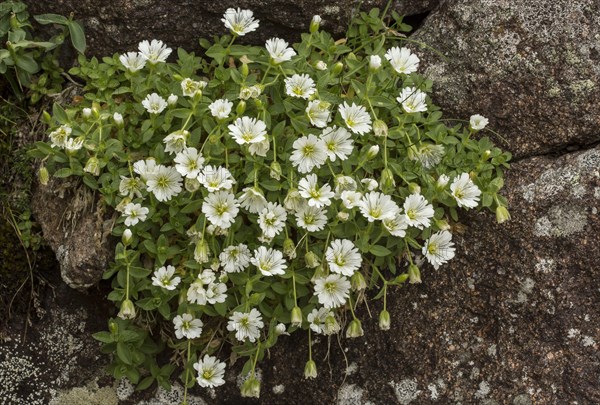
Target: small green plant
24, 58
263, 189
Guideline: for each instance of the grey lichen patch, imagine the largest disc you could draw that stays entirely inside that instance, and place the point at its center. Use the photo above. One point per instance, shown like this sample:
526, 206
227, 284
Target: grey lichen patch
18, 370
561, 221
351, 394
174, 396
86, 396
124, 389
582, 87
522, 399
483, 391
406, 390
545, 265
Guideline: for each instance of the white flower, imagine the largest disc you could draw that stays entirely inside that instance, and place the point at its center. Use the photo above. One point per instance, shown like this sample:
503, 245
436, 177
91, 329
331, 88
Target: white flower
133, 61
309, 151
220, 108
374, 62
86, 112
235, 258
418, 211
269, 261
73, 144
154, 51
356, 118
300, 86
278, 50
210, 372
396, 226
164, 182
191, 88
402, 60
172, 99
428, 155
220, 208
317, 319
145, 167
59, 136
246, 325
130, 187
313, 219
438, 249
310, 190
293, 200
377, 206
321, 65
260, 148
248, 130
318, 113
163, 278
332, 291
478, 122
343, 257
189, 162
464, 191
134, 213
253, 200
188, 327
239, 22
154, 104
338, 142
370, 184
215, 293
344, 183
175, 142
351, 199
196, 293
216, 178
412, 100
272, 219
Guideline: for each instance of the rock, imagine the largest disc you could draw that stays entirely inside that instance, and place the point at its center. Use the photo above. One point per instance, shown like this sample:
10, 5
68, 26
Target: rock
529, 66
118, 25
77, 228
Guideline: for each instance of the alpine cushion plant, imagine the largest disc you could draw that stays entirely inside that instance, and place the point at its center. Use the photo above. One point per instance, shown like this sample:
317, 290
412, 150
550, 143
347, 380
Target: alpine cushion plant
259, 190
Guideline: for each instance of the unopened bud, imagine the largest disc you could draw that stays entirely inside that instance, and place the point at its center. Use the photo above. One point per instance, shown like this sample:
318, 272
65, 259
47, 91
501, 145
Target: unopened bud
384, 320
113, 327
310, 370
296, 318
191, 184
201, 253
315, 24
312, 260
251, 387
289, 248
86, 112
96, 110
241, 107
337, 68
320, 65
118, 118
172, 100
387, 179
380, 128
275, 172
46, 117
442, 224
127, 310
502, 214
127, 237
374, 63
92, 166
372, 152
357, 281
343, 216
43, 176
354, 329
486, 154
414, 188
414, 274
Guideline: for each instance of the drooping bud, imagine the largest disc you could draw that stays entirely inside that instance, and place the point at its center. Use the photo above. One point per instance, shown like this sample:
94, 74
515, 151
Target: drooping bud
43, 176
201, 253
358, 282
502, 214
354, 329
414, 188
92, 166
289, 248
312, 260
127, 310
275, 171
191, 184
310, 370
296, 317
380, 128
387, 179
384, 320
251, 387
414, 274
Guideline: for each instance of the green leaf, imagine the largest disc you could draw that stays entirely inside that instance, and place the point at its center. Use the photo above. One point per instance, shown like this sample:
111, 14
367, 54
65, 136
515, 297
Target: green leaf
27, 63
64, 172
139, 272
77, 36
59, 113
145, 383
380, 251
123, 353
104, 337
45, 19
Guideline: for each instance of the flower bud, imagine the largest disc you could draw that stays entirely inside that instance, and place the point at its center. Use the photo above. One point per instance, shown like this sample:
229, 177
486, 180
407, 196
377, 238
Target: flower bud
241, 107
387, 179
380, 128
296, 316
354, 329
280, 329
310, 370
46, 117
43, 176
312, 260
96, 110
343, 216
127, 310
485, 155
315, 24
502, 214
384, 320
442, 224
337, 68
223, 278
320, 65
86, 112
127, 237
245, 70
215, 264
191, 184
374, 63
414, 274
172, 100
372, 152
414, 188
442, 181
92, 166
357, 281
201, 253
275, 172
370, 184
251, 387
289, 248
118, 118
